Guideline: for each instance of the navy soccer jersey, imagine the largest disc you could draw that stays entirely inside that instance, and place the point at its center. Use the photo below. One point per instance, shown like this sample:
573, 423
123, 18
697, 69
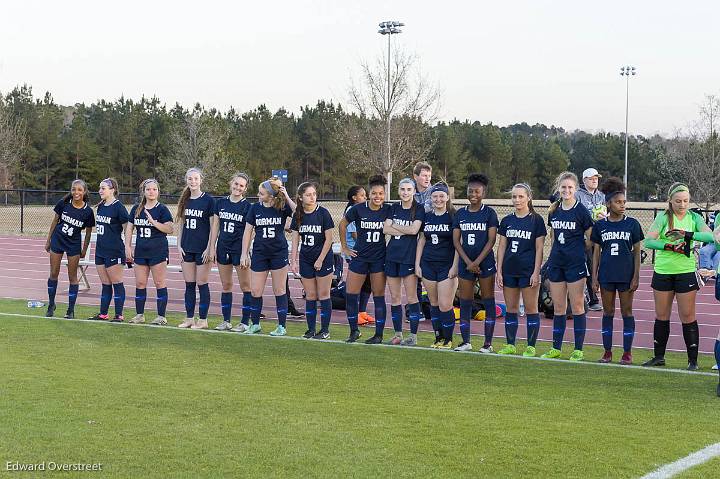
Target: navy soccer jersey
438, 238
232, 223
401, 249
521, 233
72, 221
150, 242
109, 228
569, 226
474, 228
369, 224
616, 240
312, 229
269, 226
196, 227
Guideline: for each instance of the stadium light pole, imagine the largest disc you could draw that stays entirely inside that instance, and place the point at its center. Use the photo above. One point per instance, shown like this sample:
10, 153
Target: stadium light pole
627, 72
389, 28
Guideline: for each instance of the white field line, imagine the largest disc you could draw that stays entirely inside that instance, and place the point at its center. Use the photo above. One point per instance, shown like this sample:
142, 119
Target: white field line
685, 463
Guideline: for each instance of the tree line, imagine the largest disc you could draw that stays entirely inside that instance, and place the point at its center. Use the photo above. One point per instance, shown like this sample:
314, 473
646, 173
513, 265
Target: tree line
132, 140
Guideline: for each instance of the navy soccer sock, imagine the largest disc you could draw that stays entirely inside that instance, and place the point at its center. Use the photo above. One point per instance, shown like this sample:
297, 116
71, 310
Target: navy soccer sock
226, 305
559, 324
105, 298
119, 298
717, 352
247, 308
281, 303
396, 312
351, 308
436, 321
465, 317
161, 300
140, 297
489, 305
607, 332
414, 317
325, 314
72, 296
628, 332
255, 309
204, 306
691, 334
380, 314
52, 290
448, 324
511, 327
579, 326
311, 313
190, 299
533, 328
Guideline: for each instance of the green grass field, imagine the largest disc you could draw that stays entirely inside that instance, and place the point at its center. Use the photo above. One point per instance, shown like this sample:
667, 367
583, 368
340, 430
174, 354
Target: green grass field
163, 402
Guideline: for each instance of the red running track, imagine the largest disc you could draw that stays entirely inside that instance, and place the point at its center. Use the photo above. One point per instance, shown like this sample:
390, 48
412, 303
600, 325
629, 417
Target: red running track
24, 268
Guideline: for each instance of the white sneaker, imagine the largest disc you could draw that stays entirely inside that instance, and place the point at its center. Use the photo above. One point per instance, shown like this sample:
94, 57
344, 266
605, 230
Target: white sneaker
464, 347
138, 319
200, 324
224, 326
488, 349
595, 307
279, 331
189, 322
715, 367
240, 328
159, 321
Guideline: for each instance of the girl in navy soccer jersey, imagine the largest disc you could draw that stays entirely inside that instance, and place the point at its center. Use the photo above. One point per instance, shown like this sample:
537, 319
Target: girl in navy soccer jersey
72, 215
436, 262
312, 257
520, 253
110, 222
355, 195
368, 257
267, 219
196, 244
567, 271
404, 223
616, 266
232, 212
474, 233
152, 222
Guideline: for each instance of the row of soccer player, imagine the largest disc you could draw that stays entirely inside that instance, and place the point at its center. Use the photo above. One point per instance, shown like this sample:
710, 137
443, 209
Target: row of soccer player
452, 245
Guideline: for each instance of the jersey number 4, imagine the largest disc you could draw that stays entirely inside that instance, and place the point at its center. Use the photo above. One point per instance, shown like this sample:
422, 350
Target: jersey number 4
561, 238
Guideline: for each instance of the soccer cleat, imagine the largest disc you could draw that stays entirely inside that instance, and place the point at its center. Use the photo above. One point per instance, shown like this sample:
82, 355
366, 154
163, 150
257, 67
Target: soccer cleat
254, 329
464, 347
396, 340
595, 307
692, 366
654, 361
50, 310
138, 319
262, 315
508, 349
354, 336
240, 328
626, 359
159, 321
487, 348
187, 323
322, 335
715, 367
375, 339
446, 344
70, 314
606, 357
279, 331
224, 326
364, 318
118, 318
294, 313
552, 354
530, 352
99, 317
410, 340
577, 355
200, 324
309, 334
437, 343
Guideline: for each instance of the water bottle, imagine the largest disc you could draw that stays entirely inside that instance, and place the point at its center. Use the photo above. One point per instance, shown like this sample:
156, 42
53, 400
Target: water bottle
34, 303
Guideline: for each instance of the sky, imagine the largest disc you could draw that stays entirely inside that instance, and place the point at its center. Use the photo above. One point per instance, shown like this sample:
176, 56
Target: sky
552, 62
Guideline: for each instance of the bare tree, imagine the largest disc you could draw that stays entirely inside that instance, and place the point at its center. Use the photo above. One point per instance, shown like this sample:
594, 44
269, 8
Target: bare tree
199, 139
13, 139
401, 112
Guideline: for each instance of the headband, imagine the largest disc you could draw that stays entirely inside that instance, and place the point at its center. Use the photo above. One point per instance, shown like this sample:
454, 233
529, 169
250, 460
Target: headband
612, 194
407, 180
268, 187
107, 182
440, 187
523, 185
677, 189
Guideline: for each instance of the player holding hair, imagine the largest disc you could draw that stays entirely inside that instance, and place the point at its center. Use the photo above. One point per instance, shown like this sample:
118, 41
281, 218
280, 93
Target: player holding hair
520, 251
474, 232
616, 266
571, 224
368, 257
152, 222
72, 215
312, 257
111, 221
675, 276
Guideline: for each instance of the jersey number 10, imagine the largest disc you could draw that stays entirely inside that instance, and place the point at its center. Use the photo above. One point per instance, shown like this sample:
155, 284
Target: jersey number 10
373, 236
